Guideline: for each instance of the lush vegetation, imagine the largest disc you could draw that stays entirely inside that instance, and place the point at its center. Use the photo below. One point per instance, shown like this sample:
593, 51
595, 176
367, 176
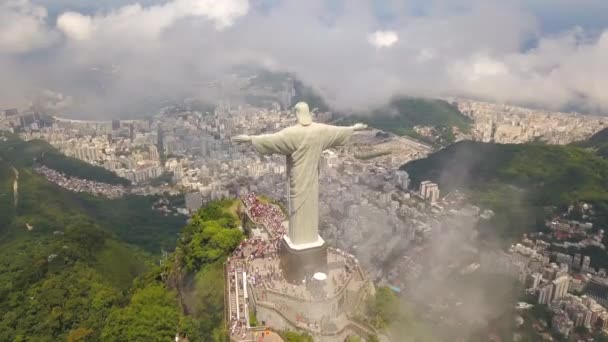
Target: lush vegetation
403, 113
387, 312
47, 206
210, 236
383, 308
72, 280
133, 220
23, 153
202, 248
66, 274
597, 143
291, 336
518, 181
151, 315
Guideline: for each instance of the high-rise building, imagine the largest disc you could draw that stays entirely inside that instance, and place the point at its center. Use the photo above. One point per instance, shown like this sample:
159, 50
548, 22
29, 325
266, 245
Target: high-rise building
536, 278
154, 155
433, 193
597, 288
564, 259
578, 319
576, 263
560, 287
402, 179
545, 294
429, 191
423, 186
586, 262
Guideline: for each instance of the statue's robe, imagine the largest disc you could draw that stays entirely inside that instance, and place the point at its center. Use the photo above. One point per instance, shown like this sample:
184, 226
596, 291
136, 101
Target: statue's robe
302, 145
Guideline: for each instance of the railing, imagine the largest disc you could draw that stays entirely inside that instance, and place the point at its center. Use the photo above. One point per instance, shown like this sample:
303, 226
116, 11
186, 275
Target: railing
353, 325
361, 329
226, 298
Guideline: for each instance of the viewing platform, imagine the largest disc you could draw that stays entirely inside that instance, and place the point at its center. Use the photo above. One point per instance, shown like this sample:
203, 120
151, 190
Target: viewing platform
323, 306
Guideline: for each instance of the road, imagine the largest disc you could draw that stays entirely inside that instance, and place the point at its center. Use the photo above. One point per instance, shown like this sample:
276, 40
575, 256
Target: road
16, 187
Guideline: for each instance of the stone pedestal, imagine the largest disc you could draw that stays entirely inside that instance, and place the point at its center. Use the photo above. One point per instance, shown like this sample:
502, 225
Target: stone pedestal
301, 261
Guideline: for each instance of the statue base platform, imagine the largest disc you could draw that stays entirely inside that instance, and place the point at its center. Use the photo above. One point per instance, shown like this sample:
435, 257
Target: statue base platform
299, 262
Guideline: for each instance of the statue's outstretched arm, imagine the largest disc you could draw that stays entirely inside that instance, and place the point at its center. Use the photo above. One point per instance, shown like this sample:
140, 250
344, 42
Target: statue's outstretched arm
243, 138
268, 143
338, 135
359, 126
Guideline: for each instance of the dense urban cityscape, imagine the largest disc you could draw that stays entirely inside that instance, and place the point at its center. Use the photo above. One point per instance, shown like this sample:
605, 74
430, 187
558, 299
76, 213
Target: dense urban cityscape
304, 171
366, 200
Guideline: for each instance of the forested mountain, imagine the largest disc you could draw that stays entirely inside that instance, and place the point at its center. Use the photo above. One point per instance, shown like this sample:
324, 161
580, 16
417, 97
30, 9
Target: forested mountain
22, 153
67, 274
597, 143
518, 181
403, 113
130, 218
61, 274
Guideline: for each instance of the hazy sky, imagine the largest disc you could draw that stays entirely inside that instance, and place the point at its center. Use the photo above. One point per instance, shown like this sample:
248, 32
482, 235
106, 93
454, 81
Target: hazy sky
112, 56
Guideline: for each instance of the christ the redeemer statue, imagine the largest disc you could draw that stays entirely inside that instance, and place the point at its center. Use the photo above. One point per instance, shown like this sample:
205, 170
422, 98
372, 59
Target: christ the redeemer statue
302, 144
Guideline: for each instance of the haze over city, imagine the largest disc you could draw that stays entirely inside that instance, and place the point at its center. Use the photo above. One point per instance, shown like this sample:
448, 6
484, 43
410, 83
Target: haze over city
110, 58
304, 170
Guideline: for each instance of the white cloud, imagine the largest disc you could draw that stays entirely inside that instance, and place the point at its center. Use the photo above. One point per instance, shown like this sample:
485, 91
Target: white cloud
75, 25
138, 22
222, 12
383, 39
171, 48
22, 26
563, 71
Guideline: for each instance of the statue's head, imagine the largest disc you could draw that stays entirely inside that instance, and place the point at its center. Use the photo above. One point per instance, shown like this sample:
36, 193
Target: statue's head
303, 113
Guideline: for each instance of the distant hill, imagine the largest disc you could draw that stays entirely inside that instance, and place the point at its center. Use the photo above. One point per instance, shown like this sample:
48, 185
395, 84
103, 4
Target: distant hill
402, 114
23, 153
399, 116
598, 143
45, 205
309, 95
557, 174
518, 181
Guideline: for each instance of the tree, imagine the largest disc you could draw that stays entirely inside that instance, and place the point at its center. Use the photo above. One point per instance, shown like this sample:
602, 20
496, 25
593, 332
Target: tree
383, 308
152, 315
79, 335
291, 336
209, 300
353, 338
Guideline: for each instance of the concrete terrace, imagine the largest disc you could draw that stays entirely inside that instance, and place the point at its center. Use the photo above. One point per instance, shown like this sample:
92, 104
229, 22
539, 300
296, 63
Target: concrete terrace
254, 280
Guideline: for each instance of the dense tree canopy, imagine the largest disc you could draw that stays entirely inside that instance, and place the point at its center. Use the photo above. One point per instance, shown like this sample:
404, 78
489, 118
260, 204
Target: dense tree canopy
210, 236
383, 308
152, 315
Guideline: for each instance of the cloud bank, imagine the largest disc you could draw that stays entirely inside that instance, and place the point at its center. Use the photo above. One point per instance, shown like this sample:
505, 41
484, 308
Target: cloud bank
120, 58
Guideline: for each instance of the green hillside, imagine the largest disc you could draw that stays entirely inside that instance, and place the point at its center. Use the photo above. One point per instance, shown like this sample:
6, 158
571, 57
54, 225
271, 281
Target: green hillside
517, 181
59, 277
23, 153
44, 205
403, 113
66, 275
597, 143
